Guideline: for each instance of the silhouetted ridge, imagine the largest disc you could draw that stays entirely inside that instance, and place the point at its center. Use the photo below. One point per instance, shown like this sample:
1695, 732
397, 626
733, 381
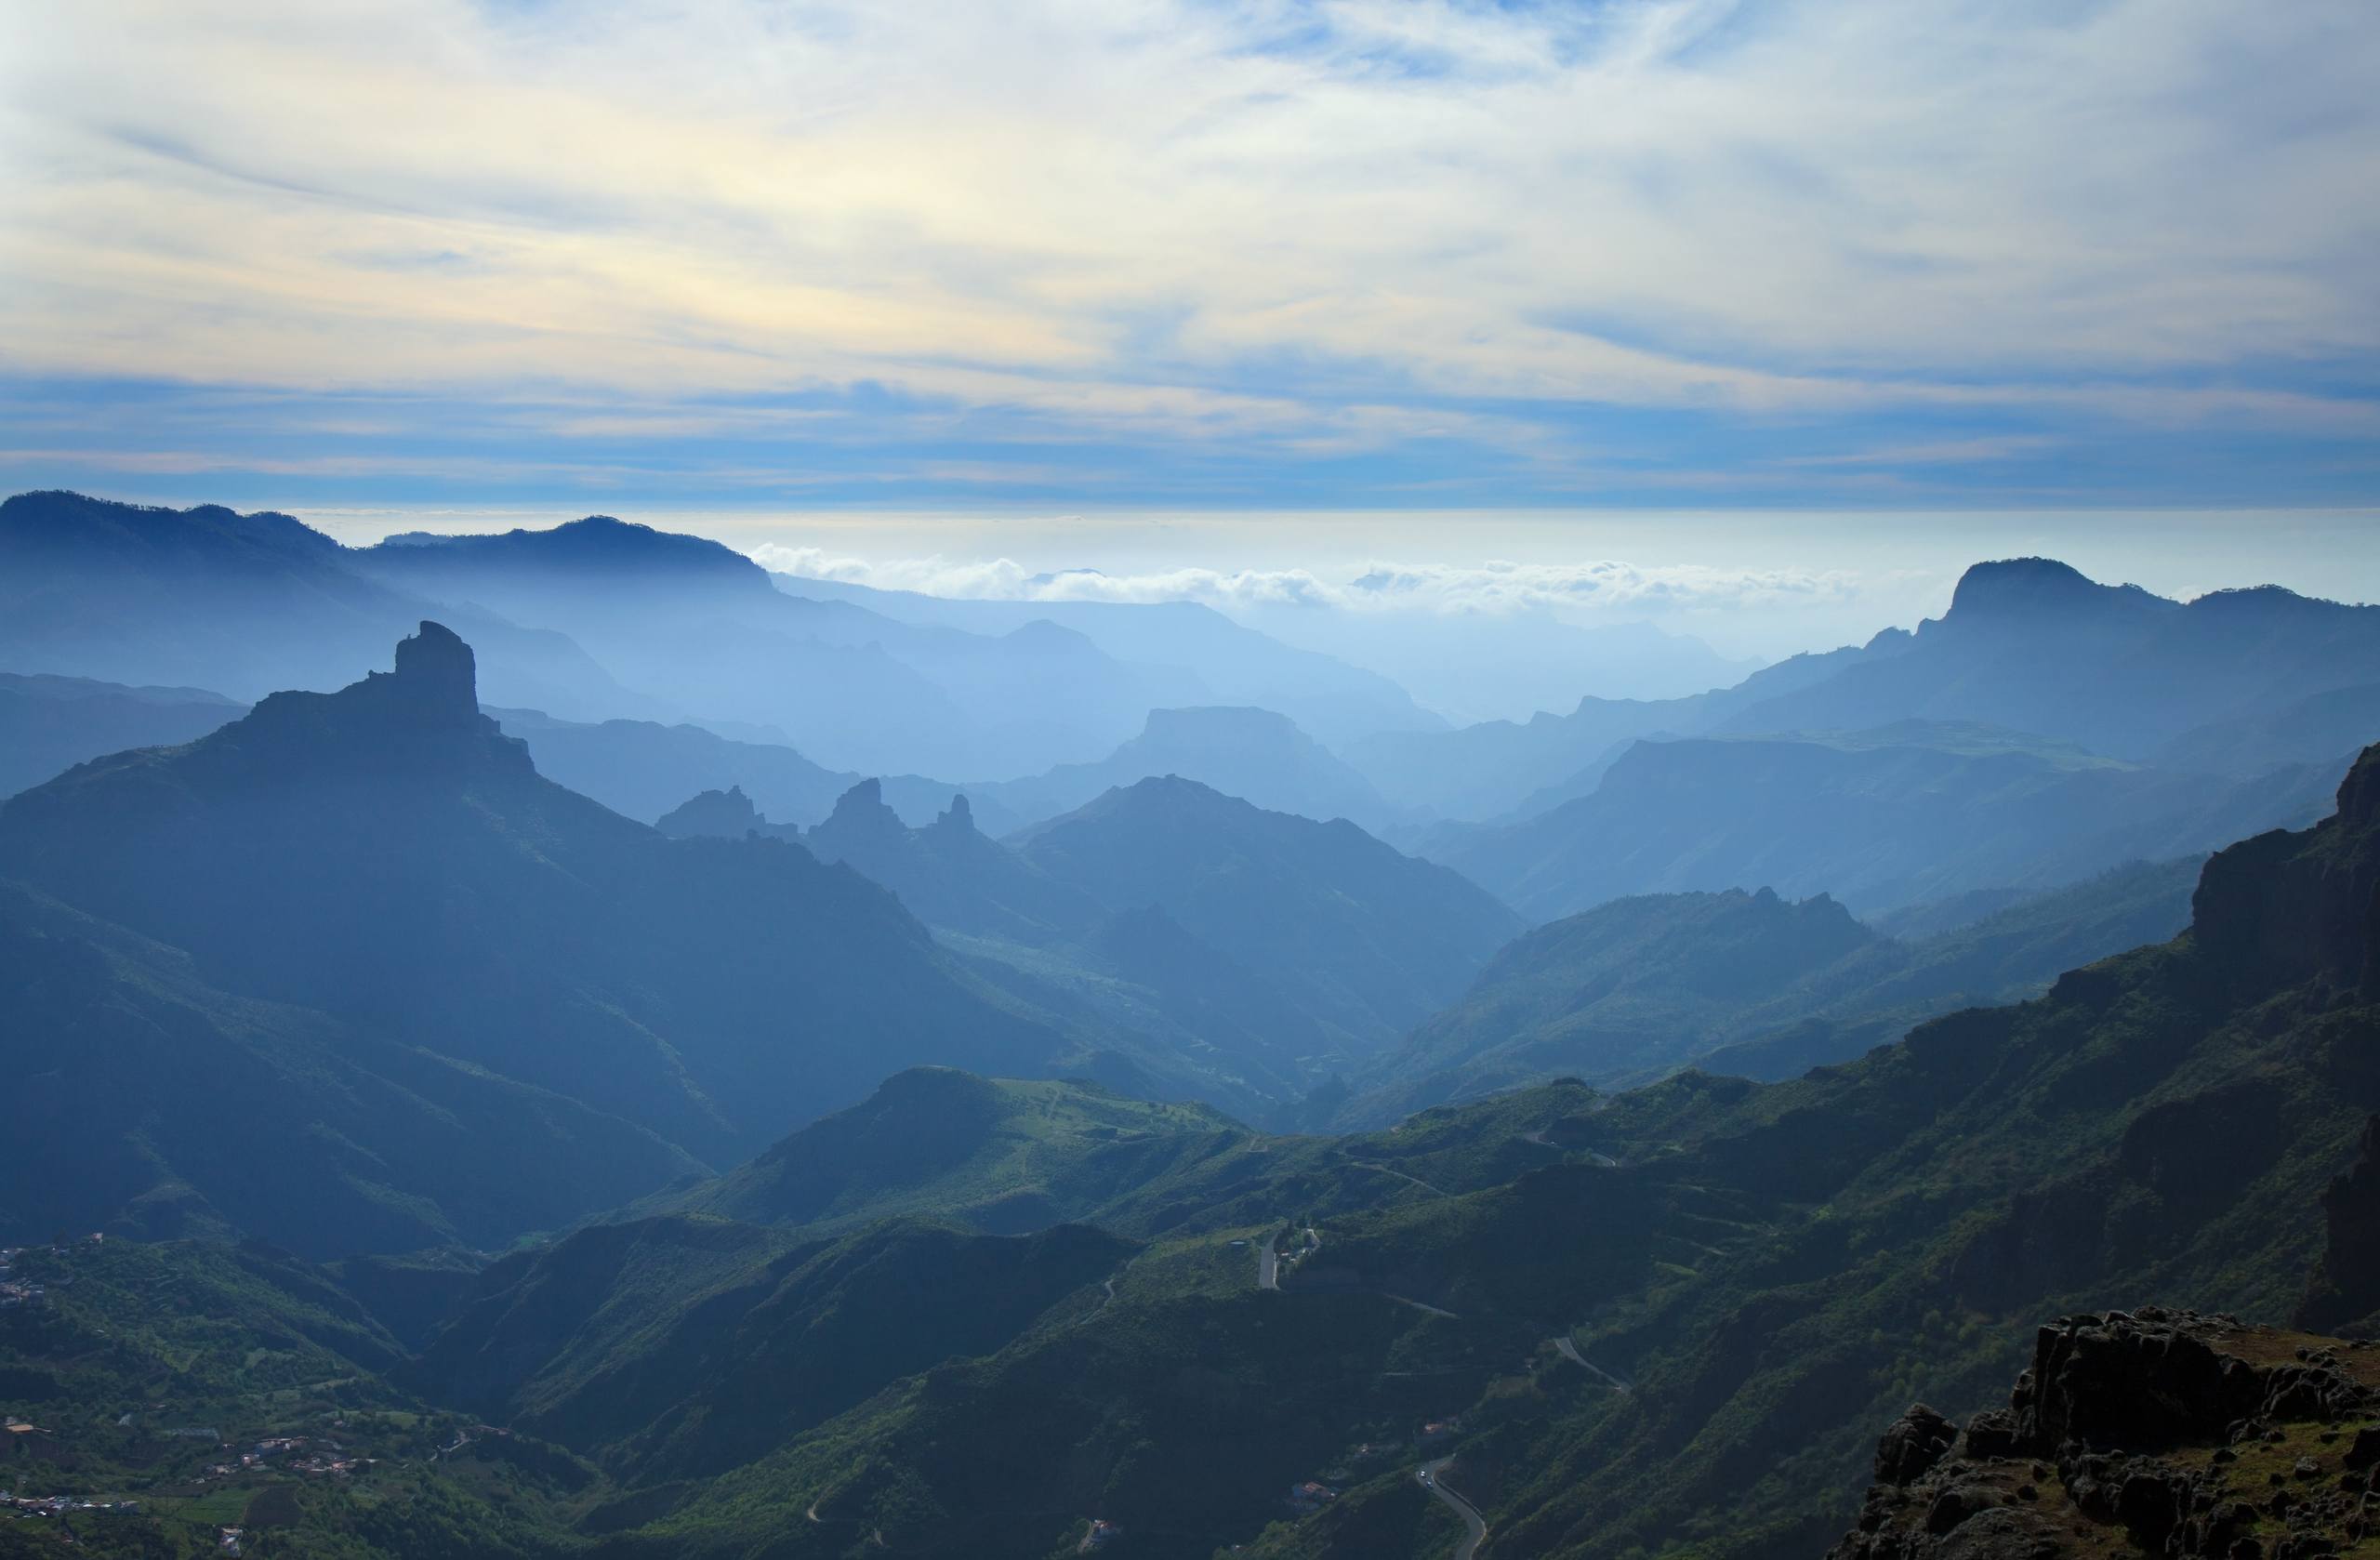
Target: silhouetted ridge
595, 547
863, 801
2039, 586
423, 715
727, 814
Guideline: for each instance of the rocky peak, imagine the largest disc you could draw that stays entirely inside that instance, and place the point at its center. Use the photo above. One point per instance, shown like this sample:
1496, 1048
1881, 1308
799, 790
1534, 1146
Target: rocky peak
861, 829
2284, 908
422, 717
437, 674
2155, 1431
728, 814
864, 805
959, 818
2032, 591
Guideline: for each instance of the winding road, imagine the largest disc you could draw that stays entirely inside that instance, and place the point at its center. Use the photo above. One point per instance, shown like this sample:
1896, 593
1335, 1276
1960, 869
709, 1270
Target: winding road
1475, 1527
1434, 1191
1570, 1351
1539, 1138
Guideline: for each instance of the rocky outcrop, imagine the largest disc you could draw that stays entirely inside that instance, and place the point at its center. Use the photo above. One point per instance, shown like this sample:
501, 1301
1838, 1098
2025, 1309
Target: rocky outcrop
2155, 1432
2345, 1289
727, 814
422, 717
2289, 907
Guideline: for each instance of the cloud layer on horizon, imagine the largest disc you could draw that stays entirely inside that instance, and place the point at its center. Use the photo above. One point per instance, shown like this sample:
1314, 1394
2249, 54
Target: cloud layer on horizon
1420, 249
1495, 588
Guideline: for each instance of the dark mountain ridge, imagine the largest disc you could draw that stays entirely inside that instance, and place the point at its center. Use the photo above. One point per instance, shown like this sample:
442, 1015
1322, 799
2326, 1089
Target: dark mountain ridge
387, 855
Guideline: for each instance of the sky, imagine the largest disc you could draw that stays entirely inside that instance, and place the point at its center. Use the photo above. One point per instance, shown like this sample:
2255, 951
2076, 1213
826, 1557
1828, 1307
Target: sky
1181, 265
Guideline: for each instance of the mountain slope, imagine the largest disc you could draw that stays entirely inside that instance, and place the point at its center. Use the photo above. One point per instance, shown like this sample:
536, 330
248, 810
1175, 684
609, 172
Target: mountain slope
673, 1346
1625, 987
2161, 1124
1360, 935
1254, 754
50, 724
241, 603
1747, 984
386, 855
1885, 818
137, 1089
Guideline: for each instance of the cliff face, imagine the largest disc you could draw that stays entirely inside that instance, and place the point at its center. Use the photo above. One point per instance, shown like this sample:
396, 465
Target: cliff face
2154, 1433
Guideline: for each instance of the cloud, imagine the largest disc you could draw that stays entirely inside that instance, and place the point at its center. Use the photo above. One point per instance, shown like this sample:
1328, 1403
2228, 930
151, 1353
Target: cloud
1310, 229
1495, 588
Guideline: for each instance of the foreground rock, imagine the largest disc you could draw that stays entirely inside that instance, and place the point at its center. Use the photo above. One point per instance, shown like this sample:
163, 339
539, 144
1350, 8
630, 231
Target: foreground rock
2156, 1432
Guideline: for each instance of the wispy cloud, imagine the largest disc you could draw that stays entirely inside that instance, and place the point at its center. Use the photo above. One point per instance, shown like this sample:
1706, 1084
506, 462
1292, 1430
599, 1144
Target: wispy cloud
1285, 232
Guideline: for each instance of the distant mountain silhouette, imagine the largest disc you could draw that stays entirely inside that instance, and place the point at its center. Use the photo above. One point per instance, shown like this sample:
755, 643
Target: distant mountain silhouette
243, 605
949, 873
702, 627
2028, 643
1254, 754
1327, 698
387, 855
50, 724
644, 769
1903, 814
1363, 938
1245, 1035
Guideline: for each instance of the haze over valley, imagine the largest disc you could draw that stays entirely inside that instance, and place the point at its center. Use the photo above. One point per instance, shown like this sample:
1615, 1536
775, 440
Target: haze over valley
1571, 780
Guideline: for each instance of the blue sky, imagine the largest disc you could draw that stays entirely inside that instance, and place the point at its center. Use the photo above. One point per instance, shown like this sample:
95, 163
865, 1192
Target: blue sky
1195, 255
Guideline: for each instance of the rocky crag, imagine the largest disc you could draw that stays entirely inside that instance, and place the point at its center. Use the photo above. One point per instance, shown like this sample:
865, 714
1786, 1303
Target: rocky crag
2152, 1432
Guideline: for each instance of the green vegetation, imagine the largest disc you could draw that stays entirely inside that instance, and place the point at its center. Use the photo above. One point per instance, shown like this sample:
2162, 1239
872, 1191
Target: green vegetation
1748, 983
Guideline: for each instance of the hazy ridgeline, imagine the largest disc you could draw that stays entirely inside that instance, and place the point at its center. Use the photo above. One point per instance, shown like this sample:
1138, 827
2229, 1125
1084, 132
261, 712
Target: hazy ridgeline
666, 1059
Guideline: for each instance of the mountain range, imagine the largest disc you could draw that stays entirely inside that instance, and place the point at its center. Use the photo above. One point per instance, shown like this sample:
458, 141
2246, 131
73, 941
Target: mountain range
739, 1150
1884, 819
386, 855
1677, 1314
2026, 645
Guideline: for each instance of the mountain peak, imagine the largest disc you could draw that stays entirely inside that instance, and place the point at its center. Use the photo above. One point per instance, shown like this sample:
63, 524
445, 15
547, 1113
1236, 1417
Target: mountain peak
958, 816
727, 814
436, 669
861, 800
861, 821
2035, 587
423, 715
